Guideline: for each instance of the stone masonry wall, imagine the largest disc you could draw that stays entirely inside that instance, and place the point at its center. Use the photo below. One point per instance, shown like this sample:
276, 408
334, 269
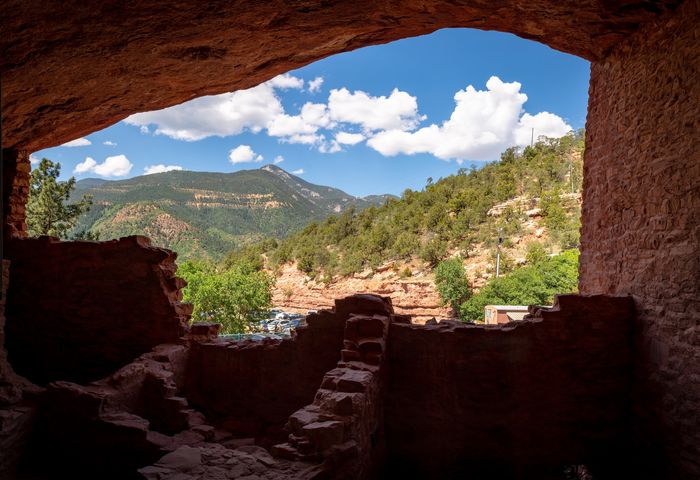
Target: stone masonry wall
78, 311
251, 388
641, 221
343, 427
510, 401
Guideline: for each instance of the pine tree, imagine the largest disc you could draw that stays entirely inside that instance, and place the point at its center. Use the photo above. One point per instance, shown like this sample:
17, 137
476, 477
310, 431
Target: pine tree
48, 212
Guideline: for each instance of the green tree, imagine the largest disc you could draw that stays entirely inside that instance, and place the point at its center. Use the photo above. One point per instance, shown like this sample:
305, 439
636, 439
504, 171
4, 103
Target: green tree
433, 251
536, 253
48, 212
452, 284
235, 298
532, 285
552, 210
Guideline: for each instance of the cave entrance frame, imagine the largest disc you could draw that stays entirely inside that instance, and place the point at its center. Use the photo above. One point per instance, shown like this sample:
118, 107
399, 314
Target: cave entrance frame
67, 71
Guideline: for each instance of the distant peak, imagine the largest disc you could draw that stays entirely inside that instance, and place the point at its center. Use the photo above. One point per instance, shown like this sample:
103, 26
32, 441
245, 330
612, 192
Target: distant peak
272, 168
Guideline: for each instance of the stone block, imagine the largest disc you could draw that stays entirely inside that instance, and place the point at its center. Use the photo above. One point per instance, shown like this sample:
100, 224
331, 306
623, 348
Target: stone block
324, 434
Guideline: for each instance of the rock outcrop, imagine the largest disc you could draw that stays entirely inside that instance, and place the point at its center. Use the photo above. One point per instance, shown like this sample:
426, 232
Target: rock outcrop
62, 80
415, 296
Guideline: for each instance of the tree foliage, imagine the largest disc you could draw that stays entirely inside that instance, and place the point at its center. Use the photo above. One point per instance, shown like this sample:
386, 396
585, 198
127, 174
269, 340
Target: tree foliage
48, 210
234, 297
451, 282
531, 285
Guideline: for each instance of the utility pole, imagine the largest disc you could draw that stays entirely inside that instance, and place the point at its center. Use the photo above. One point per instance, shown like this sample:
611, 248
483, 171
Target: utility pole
571, 172
532, 137
498, 252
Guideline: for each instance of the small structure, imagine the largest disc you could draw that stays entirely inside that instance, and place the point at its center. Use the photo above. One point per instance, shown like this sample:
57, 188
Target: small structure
494, 314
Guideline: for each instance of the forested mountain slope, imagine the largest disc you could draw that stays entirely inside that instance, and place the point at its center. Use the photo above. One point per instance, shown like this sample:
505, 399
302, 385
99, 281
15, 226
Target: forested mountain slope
204, 215
452, 216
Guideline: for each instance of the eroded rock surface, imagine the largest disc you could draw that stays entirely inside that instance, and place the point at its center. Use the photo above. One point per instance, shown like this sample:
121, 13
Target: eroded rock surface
65, 79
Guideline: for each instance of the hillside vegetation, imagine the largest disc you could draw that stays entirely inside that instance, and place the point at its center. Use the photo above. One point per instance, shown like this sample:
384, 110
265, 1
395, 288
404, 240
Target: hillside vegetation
450, 217
205, 215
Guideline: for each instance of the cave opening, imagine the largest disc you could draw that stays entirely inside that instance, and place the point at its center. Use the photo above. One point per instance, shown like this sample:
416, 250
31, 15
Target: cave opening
593, 368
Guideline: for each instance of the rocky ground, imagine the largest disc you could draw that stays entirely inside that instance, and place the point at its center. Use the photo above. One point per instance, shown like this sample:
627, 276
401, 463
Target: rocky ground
213, 461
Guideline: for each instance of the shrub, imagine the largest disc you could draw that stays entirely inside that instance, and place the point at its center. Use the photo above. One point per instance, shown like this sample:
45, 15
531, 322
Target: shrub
433, 251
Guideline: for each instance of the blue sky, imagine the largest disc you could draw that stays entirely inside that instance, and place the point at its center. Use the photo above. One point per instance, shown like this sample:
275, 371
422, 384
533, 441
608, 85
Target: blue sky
381, 120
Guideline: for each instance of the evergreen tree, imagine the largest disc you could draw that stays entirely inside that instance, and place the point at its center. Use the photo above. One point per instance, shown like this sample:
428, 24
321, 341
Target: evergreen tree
48, 212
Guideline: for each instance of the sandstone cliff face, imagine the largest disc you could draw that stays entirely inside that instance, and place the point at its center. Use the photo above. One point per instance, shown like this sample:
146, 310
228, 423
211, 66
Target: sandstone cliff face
415, 295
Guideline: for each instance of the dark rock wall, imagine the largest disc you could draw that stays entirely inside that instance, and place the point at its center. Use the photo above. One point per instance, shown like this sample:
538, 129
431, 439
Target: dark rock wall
641, 220
16, 415
343, 428
16, 170
78, 311
510, 401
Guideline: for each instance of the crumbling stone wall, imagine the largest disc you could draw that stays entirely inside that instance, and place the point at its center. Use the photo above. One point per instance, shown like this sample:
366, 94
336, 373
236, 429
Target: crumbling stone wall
518, 400
80, 310
343, 428
641, 220
251, 388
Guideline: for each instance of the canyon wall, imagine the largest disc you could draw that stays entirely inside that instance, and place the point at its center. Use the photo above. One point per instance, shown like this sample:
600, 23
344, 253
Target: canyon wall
641, 221
416, 296
79, 310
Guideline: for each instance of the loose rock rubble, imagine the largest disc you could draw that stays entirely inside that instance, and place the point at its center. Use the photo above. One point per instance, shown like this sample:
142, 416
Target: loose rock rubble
215, 462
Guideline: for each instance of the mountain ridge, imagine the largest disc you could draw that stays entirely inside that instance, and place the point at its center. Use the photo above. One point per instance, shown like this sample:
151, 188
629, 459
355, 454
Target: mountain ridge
205, 214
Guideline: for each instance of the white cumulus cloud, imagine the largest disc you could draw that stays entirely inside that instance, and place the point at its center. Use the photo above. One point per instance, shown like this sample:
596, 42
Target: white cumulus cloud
34, 160
87, 166
78, 142
330, 147
315, 84
483, 124
160, 168
115, 166
220, 115
299, 171
349, 138
286, 81
243, 154
397, 111
544, 124
278, 159
312, 117
109, 143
